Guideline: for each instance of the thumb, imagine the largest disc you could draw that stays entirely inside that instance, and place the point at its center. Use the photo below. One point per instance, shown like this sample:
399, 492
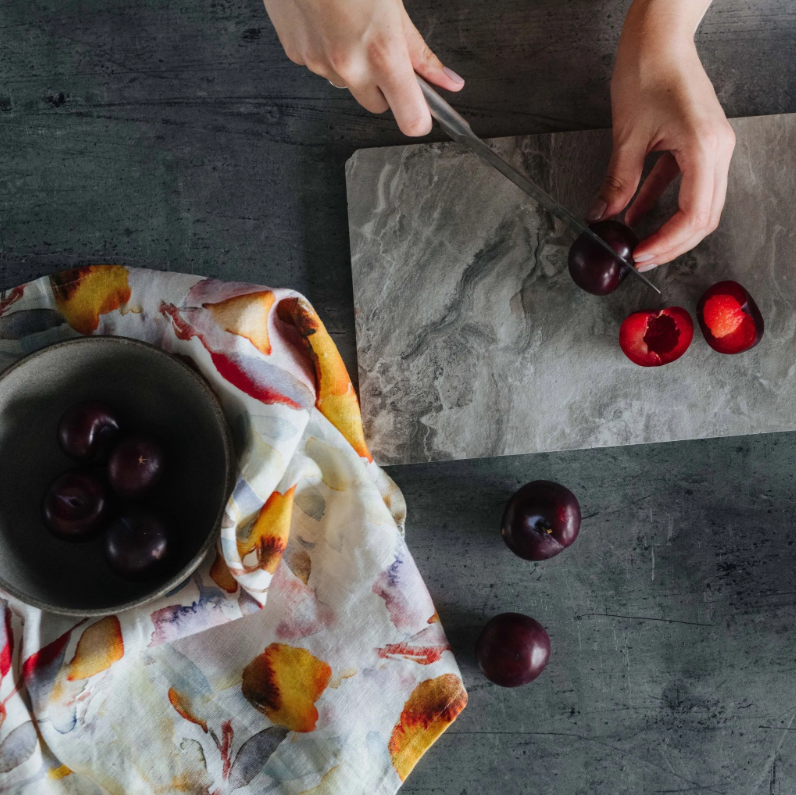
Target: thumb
426, 63
621, 180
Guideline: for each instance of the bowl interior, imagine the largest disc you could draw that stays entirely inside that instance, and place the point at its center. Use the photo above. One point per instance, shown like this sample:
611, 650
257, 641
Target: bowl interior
154, 393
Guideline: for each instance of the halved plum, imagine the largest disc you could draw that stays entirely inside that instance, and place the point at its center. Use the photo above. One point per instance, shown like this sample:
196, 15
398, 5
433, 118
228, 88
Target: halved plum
729, 318
591, 267
656, 337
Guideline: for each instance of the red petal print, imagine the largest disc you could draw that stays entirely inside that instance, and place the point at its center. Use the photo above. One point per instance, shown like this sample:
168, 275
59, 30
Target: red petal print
225, 747
47, 654
182, 329
424, 655
7, 652
231, 372
228, 366
11, 298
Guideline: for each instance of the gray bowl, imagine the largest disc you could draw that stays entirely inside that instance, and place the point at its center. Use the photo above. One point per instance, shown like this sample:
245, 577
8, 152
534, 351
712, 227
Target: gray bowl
153, 392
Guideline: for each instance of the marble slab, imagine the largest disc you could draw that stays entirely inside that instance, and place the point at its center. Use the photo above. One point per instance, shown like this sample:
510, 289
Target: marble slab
473, 341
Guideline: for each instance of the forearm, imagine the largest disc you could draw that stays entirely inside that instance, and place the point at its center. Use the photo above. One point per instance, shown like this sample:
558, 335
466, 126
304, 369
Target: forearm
659, 25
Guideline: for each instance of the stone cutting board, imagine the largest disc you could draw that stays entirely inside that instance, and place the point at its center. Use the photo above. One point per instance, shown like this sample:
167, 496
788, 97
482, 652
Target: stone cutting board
473, 341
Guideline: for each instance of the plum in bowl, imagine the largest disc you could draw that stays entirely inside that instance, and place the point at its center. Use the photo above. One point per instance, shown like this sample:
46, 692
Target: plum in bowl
154, 393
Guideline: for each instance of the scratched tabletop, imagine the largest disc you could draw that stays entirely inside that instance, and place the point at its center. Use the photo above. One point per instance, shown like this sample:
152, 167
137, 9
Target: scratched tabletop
178, 136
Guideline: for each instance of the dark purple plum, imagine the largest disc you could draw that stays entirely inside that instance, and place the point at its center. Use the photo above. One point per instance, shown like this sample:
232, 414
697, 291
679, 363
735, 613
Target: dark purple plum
87, 431
139, 544
512, 649
76, 506
136, 466
592, 268
540, 520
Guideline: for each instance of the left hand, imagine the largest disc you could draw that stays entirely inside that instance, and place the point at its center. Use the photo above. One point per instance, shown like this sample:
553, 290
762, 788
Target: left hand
662, 100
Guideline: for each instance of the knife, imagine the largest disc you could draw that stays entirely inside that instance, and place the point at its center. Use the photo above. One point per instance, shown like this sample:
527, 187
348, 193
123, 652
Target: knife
461, 132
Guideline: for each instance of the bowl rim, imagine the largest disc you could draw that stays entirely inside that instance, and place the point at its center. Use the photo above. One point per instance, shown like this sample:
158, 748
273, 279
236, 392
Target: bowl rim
182, 575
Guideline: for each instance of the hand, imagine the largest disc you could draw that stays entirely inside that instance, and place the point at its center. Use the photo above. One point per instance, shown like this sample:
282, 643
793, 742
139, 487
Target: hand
369, 46
662, 100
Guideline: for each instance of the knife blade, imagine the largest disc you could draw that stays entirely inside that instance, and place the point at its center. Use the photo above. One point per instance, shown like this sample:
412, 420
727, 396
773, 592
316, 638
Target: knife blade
459, 129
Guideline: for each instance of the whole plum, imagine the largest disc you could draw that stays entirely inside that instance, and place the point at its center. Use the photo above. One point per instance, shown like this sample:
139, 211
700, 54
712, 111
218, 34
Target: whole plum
87, 431
76, 506
136, 466
139, 544
591, 267
512, 649
540, 520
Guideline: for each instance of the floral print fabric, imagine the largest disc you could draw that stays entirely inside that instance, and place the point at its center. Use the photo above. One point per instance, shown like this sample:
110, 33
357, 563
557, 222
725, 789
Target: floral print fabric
305, 655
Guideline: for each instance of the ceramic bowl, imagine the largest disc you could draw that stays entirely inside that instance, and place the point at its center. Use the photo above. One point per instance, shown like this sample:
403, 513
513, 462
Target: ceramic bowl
153, 391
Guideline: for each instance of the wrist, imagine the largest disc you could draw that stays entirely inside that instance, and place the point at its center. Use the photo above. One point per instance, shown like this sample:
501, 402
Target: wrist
661, 29
657, 42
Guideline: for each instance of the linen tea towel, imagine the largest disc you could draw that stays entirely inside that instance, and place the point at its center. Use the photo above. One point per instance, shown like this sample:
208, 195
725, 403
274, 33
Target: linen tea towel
306, 655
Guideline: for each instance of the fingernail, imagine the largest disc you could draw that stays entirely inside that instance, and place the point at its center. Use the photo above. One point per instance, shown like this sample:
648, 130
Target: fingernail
597, 210
452, 75
643, 258
649, 267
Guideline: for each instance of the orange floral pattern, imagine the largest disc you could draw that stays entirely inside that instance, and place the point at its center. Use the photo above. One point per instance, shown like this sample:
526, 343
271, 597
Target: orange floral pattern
284, 682
336, 398
246, 316
432, 707
222, 576
184, 708
83, 294
100, 646
270, 532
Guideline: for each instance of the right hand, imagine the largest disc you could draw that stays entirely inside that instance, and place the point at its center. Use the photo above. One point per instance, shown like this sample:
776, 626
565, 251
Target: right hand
370, 47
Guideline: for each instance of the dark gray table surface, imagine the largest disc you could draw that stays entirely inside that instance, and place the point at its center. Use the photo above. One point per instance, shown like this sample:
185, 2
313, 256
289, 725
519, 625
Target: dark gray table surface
178, 136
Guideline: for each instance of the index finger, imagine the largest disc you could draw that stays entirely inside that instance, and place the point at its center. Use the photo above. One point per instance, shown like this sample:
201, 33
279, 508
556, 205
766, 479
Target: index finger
695, 200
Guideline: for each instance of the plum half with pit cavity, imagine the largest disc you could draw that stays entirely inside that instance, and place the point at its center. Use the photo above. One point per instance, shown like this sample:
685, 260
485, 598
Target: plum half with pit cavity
591, 267
656, 337
540, 520
729, 318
